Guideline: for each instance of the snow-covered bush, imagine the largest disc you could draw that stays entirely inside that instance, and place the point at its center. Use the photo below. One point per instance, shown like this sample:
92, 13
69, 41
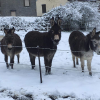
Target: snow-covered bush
76, 15
20, 24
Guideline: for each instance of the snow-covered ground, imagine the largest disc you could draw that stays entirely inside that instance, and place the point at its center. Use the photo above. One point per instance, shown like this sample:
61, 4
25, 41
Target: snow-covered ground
65, 82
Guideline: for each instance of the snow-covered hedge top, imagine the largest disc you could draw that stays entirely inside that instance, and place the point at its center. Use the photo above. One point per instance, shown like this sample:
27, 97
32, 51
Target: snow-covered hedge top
22, 23
75, 10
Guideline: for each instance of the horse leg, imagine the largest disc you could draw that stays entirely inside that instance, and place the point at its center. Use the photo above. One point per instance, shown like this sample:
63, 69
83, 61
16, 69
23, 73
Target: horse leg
89, 66
77, 61
82, 64
73, 57
11, 61
18, 57
32, 60
48, 64
6, 60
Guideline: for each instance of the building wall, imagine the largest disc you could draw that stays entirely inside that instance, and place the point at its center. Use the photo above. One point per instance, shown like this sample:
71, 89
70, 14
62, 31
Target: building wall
18, 5
49, 5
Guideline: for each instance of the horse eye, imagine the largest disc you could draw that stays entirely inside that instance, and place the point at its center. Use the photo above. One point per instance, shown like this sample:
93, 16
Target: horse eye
94, 42
52, 31
59, 32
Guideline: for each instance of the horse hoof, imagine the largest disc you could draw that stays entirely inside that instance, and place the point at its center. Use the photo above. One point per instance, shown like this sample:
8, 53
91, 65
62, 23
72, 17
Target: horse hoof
49, 72
46, 73
33, 67
90, 73
7, 67
82, 70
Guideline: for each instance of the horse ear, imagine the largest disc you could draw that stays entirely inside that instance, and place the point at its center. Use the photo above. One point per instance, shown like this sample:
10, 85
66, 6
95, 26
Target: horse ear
93, 32
13, 30
52, 21
59, 21
5, 30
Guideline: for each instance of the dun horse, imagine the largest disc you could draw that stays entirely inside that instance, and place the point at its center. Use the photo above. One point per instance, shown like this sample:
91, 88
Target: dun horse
47, 42
83, 47
11, 45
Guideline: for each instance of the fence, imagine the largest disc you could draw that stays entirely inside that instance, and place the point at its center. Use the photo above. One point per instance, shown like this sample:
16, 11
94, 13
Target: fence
67, 51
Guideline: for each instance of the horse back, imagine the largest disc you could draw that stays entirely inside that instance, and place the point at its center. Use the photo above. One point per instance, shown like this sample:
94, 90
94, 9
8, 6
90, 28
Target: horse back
77, 41
34, 39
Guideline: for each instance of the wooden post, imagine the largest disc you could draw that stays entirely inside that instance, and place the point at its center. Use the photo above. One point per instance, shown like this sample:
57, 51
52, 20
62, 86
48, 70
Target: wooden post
39, 64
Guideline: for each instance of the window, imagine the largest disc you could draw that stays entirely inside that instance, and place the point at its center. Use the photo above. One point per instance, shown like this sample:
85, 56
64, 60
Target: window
44, 8
13, 13
27, 3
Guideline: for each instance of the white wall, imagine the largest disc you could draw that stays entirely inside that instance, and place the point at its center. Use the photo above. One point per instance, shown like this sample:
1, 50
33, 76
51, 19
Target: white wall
49, 5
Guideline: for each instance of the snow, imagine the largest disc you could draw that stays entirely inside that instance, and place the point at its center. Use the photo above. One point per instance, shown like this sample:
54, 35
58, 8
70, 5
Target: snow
65, 81
29, 19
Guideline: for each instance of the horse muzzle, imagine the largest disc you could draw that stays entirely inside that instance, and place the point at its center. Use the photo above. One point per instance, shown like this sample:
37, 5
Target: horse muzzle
9, 46
98, 53
56, 39
56, 42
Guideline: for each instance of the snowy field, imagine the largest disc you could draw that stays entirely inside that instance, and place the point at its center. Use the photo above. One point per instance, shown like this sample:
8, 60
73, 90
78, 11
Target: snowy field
65, 82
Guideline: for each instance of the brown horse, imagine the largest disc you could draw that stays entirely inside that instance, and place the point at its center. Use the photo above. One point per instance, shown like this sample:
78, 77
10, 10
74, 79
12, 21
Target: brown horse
47, 41
83, 46
11, 45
